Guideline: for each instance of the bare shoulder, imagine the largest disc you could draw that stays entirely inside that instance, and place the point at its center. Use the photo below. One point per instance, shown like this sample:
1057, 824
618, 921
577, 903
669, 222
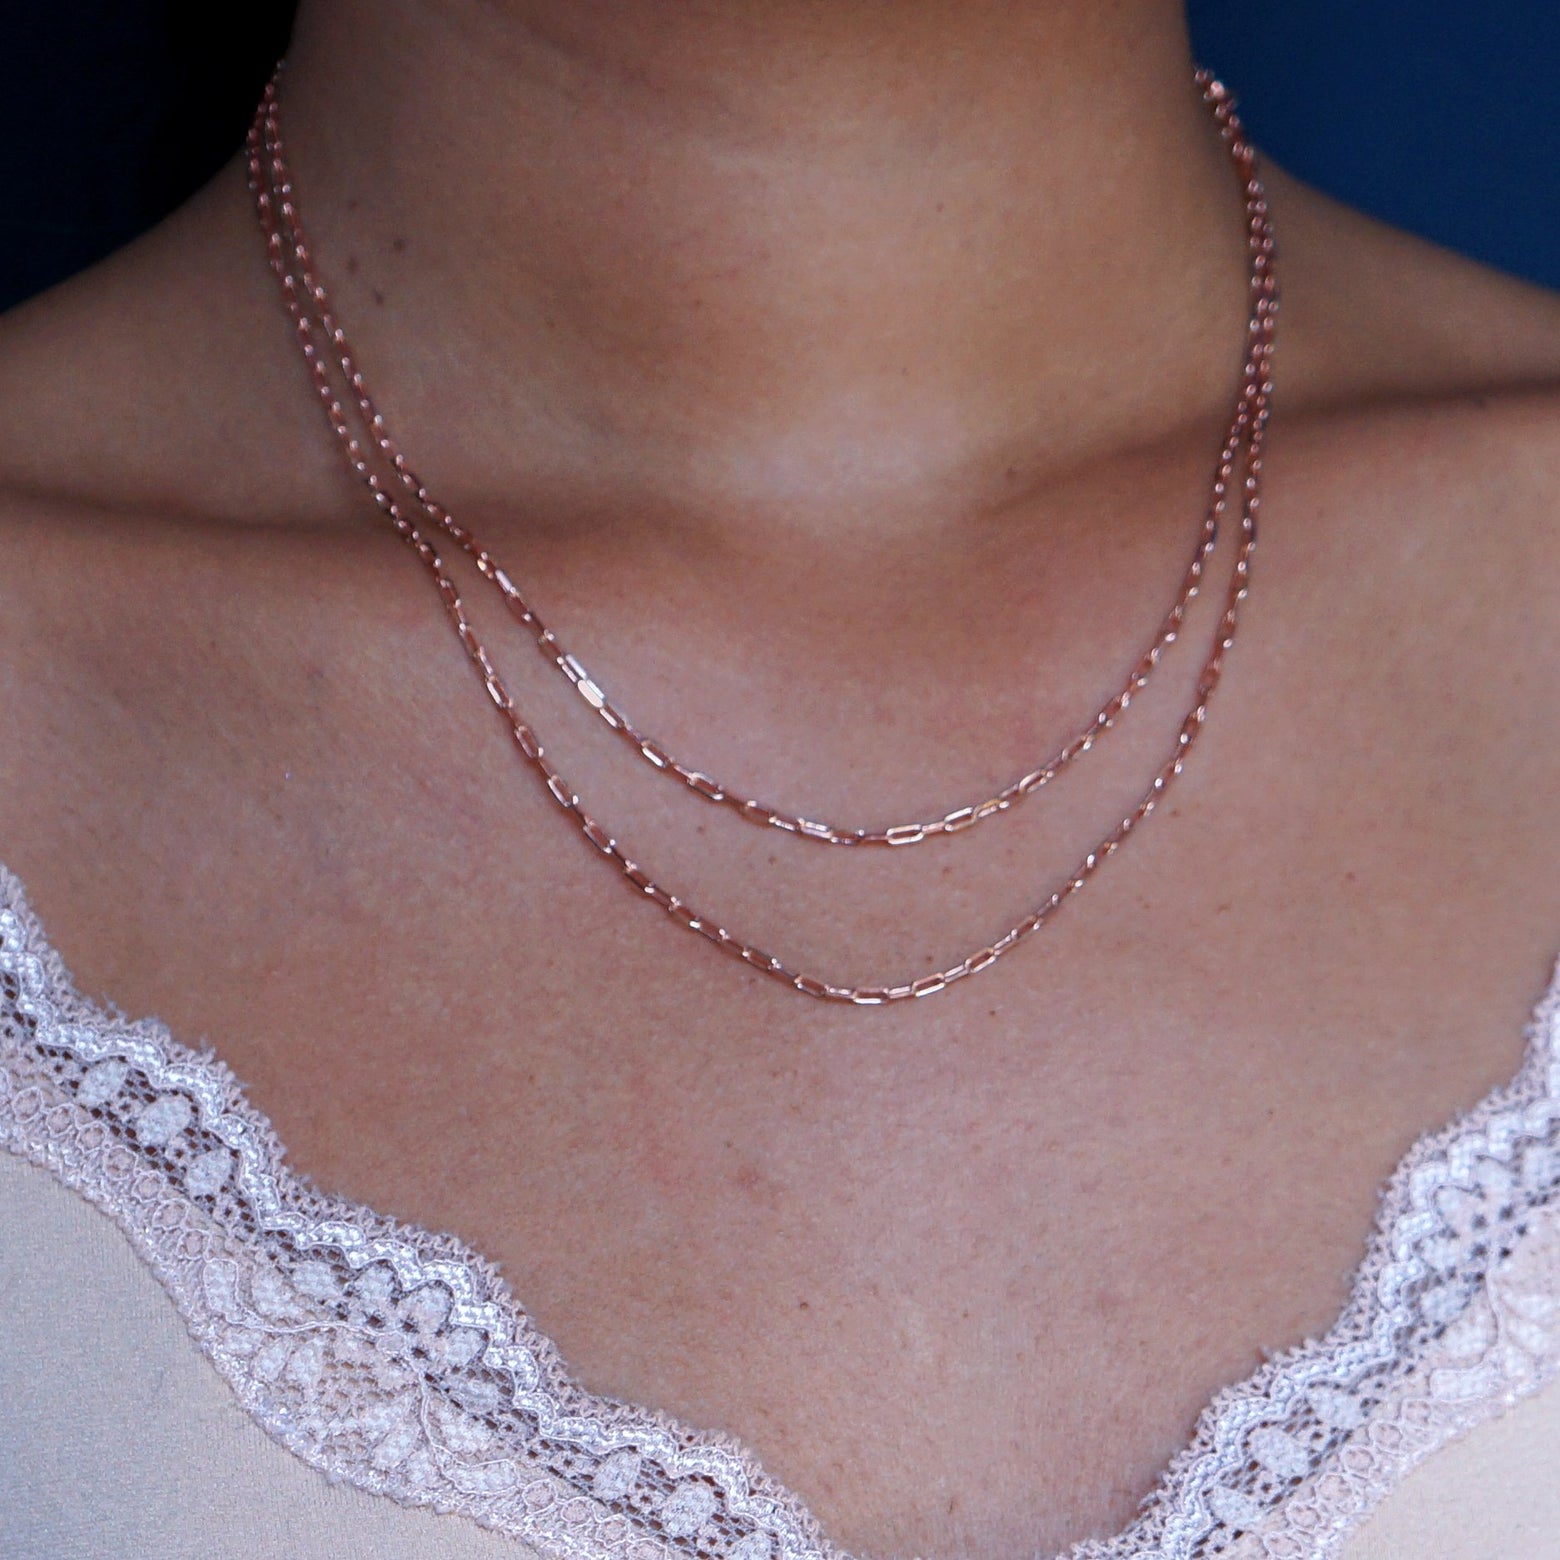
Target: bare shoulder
158, 383
1375, 314
1419, 397
151, 418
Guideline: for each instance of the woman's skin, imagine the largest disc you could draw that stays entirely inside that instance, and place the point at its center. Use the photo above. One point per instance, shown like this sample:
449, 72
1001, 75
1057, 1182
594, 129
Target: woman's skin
844, 381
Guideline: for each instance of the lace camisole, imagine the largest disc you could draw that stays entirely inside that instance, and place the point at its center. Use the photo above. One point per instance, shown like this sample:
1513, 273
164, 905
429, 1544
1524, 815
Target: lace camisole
202, 1355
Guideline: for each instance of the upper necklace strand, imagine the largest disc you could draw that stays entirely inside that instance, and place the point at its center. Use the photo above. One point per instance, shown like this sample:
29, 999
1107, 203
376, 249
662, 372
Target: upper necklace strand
322, 340
314, 299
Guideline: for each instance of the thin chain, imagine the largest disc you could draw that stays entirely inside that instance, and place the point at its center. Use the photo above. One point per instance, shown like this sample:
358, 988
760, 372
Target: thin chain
278, 216
286, 231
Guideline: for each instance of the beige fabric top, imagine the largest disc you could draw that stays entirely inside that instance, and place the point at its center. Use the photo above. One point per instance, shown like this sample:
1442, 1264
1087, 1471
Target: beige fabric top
214, 1360
118, 1439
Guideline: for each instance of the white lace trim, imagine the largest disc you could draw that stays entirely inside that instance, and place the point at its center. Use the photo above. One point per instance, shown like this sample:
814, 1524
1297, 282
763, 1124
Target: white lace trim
397, 1361
1503, 1346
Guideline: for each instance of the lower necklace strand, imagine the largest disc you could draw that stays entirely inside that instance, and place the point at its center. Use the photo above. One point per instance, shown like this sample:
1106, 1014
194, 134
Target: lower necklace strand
309, 308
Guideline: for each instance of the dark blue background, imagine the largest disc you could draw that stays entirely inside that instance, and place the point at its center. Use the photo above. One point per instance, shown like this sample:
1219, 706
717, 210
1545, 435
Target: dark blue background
1440, 118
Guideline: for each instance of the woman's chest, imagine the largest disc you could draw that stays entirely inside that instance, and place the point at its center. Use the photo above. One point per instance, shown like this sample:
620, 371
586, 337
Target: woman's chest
941, 1318
964, 1283
964, 1271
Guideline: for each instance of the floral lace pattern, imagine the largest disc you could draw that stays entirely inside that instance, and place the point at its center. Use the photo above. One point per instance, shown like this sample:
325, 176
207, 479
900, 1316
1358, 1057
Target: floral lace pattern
396, 1360
1504, 1345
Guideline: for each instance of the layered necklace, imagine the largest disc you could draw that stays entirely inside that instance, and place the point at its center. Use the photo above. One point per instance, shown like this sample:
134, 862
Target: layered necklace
378, 461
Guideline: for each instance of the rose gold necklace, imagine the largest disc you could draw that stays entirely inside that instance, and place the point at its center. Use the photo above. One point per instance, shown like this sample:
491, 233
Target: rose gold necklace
326, 350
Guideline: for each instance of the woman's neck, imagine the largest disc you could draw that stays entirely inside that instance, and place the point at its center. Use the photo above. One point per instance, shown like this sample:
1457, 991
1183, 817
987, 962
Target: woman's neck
902, 259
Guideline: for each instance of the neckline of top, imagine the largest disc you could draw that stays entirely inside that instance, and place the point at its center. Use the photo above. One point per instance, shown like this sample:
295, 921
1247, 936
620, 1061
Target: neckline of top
700, 1495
